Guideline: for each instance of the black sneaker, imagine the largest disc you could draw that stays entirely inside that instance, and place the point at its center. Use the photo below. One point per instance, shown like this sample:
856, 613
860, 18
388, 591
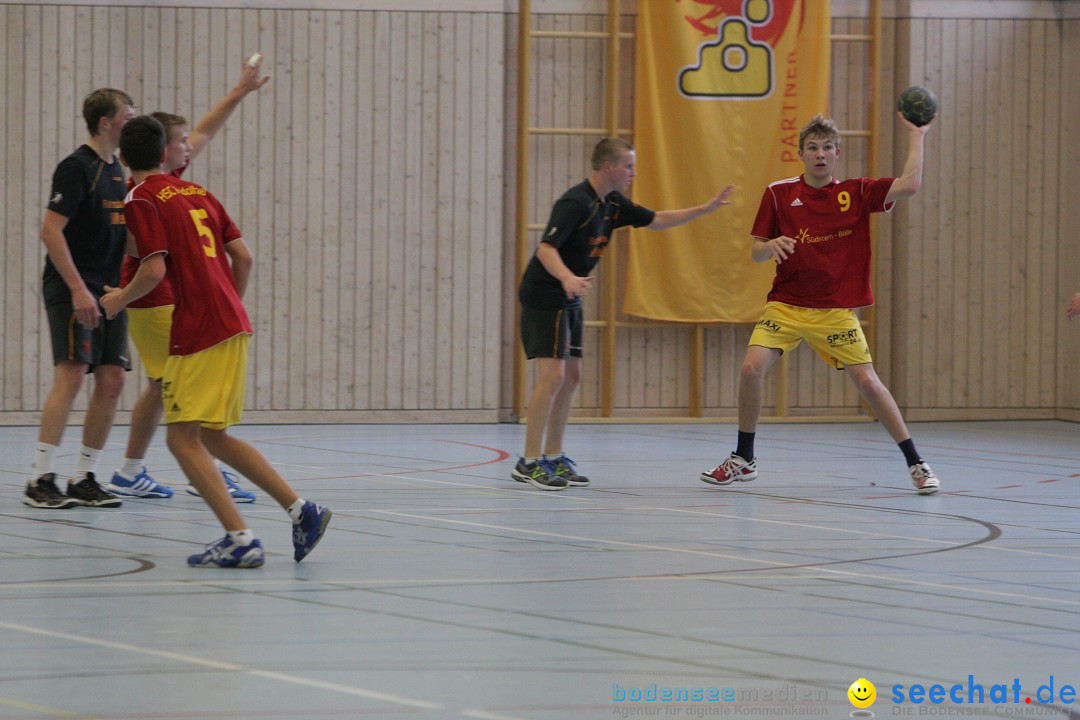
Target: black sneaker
44, 494
539, 474
88, 492
565, 468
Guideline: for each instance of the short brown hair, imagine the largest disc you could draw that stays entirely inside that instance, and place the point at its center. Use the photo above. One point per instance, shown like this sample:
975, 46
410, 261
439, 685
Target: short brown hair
170, 121
142, 143
608, 150
819, 127
103, 102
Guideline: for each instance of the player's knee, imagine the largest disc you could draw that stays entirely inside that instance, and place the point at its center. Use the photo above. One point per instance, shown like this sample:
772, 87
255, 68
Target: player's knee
753, 369
109, 381
571, 377
180, 443
552, 382
870, 385
551, 374
67, 386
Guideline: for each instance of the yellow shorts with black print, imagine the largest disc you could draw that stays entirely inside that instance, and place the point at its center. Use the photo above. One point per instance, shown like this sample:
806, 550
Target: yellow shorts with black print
207, 387
149, 329
835, 334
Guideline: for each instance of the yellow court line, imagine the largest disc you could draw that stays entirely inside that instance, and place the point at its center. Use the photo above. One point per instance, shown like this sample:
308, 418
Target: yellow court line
42, 709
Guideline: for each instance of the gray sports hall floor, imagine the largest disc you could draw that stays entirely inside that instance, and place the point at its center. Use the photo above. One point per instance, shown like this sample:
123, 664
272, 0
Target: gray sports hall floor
445, 590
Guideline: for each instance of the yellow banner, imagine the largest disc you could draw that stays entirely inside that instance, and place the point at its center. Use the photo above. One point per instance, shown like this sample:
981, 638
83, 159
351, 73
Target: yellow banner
722, 89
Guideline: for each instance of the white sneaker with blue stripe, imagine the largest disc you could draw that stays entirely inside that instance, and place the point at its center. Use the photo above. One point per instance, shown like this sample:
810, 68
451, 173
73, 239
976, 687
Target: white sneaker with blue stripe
141, 486
237, 493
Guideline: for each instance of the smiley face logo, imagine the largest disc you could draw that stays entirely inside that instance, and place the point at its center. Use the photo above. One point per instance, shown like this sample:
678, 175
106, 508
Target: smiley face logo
862, 693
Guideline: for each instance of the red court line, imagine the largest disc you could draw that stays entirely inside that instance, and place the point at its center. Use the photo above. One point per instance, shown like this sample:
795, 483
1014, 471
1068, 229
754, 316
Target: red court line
500, 455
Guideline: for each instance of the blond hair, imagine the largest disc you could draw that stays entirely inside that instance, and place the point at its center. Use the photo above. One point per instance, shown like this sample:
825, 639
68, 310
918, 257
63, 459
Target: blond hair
819, 128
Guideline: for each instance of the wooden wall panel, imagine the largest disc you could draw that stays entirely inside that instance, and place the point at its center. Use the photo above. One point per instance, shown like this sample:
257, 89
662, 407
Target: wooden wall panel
374, 179
974, 276
367, 177
1066, 252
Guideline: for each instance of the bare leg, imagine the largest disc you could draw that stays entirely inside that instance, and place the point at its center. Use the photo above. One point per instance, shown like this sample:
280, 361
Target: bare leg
756, 365
101, 411
880, 400
198, 465
145, 418
561, 406
68, 378
250, 463
550, 373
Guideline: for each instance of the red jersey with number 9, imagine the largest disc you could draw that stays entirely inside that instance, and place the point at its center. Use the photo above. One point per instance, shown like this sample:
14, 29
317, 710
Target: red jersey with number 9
188, 224
830, 267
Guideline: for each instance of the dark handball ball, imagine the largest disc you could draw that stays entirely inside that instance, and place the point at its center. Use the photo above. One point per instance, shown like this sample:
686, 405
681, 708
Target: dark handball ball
918, 105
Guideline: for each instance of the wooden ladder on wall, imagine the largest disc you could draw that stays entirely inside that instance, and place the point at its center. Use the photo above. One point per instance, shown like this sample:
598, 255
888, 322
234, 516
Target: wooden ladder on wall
608, 323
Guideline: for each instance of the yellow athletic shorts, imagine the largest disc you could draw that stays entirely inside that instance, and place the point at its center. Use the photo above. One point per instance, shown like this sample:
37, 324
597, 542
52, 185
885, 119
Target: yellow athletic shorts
149, 329
835, 335
207, 387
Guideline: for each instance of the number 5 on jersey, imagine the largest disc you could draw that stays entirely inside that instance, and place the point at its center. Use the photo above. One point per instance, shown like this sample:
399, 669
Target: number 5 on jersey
197, 217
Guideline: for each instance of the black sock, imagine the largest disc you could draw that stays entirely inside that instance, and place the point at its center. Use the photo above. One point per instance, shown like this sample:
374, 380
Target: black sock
910, 453
745, 448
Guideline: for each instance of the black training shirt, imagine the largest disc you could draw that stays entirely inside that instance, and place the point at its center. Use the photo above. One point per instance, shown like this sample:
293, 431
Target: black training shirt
580, 228
90, 193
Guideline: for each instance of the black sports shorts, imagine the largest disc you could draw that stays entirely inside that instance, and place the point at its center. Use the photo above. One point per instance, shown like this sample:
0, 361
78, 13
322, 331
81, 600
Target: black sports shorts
106, 344
552, 333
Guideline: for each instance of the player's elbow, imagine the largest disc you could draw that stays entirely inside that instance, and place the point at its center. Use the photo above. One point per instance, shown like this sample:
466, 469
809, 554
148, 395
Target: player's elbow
155, 272
905, 187
243, 264
239, 254
661, 221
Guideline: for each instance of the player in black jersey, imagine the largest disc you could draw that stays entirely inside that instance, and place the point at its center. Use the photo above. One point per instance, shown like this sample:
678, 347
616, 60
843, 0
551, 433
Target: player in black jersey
85, 235
551, 289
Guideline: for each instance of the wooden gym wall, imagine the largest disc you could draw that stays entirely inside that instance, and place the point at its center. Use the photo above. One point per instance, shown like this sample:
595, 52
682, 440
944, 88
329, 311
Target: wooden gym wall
1067, 248
372, 179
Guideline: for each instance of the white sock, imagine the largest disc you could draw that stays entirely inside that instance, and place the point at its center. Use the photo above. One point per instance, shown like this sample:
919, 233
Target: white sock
530, 461
86, 462
550, 456
295, 509
131, 467
44, 460
242, 537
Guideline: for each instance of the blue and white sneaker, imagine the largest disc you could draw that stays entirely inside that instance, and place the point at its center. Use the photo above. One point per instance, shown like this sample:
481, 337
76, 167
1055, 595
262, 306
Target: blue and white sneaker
237, 493
141, 486
309, 529
226, 553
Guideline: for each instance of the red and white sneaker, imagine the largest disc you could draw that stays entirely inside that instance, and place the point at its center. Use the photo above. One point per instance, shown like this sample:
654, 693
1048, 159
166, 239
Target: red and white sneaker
924, 479
732, 469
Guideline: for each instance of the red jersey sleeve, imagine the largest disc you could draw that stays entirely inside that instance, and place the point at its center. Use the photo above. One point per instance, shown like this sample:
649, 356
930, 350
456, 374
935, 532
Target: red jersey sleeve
229, 231
874, 193
142, 217
767, 222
